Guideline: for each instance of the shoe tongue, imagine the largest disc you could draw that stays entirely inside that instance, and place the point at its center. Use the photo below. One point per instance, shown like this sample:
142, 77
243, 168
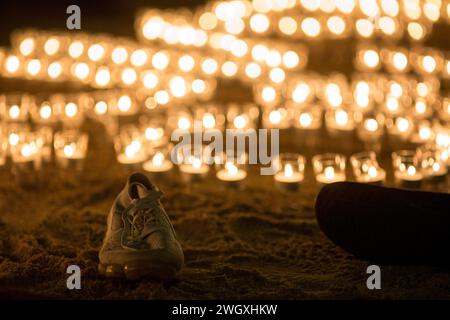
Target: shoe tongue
138, 190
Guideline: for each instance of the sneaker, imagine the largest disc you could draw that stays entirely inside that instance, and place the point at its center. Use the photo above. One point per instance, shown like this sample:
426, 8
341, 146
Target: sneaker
140, 240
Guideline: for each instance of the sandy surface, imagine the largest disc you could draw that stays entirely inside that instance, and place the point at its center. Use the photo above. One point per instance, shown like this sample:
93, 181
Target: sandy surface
254, 243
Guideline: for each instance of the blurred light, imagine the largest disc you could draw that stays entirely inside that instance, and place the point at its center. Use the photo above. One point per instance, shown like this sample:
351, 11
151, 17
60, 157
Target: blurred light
259, 23
311, 27
26, 46
287, 25
54, 70
76, 49
51, 46
96, 52
119, 55
138, 58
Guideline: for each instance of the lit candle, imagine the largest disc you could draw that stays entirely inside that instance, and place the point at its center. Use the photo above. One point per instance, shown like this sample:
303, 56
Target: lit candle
291, 172
26, 161
340, 120
71, 148
406, 168
193, 168
433, 164
158, 163
366, 168
231, 175
329, 168
132, 154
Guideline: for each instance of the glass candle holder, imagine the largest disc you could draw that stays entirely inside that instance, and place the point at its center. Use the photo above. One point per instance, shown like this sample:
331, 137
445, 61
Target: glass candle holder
71, 148
301, 91
422, 108
267, 95
230, 169
370, 127
290, 171
340, 120
434, 167
368, 58
423, 132
366, 168
276, 118
122, 104
308, 118
154, 130
16, 133
44, 113
15, 107
363, 96
129, 146
180, 120
396, 60
400, 126
329, 168
26, 160
192, 162
210, 116
159, 161
242, 117
407, 168
70, 108
44, 140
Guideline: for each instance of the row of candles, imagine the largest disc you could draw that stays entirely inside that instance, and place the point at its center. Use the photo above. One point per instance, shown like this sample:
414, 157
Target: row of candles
365, 19
365, 93
425, 61
419, 124
130, 62
29, 149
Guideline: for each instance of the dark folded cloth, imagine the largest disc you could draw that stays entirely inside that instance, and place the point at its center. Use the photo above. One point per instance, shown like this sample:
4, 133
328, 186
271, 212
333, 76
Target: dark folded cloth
386, 225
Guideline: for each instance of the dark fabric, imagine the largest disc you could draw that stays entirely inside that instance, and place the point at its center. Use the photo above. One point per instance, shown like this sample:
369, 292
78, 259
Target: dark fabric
386, 225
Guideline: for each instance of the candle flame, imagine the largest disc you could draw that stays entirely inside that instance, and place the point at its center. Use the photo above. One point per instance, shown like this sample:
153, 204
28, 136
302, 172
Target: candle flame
231, 169
288, 170
372, 172
196, 163
158, 159
411, 170
69, 150
329, 173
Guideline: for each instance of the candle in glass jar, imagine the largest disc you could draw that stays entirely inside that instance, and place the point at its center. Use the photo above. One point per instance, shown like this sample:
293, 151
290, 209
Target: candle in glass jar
329, 176
290, 172
329, 168
231, 173
132, 154
158, 163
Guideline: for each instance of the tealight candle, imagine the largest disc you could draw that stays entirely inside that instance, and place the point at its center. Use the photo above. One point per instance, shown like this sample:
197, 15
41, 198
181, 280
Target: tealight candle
193, 168
276, 118
366, 168
370, 128
70, 148
129, 148
339, 119
329, 168
15, 107
158, 162
231, 173
26, 161
290, 172
309, 118
433, 166
407, 168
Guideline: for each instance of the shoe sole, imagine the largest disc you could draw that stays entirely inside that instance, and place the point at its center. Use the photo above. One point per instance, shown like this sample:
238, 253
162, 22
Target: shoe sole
132, 273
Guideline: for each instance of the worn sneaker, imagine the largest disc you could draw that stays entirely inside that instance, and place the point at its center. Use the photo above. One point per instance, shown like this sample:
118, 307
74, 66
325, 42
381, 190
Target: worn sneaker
140, 240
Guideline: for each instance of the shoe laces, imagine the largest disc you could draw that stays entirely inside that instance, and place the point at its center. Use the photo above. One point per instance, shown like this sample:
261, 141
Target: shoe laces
140, 216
